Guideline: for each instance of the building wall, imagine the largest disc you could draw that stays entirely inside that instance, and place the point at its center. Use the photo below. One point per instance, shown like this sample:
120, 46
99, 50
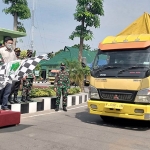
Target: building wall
48, 68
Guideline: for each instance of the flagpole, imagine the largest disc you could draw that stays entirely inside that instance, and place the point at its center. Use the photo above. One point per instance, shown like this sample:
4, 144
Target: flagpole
32, 30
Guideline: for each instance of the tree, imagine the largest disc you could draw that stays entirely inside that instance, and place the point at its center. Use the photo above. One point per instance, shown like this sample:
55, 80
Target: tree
19, 10
87, 13
76, 72
50, 55
85, 46
38, 68
34, 54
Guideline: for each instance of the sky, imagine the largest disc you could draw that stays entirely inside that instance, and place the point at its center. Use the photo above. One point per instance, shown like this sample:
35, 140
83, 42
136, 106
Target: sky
54, 22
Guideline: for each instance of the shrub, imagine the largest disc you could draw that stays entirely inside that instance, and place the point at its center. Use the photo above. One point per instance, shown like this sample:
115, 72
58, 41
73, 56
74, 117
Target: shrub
49, 92
74, 90
42, 92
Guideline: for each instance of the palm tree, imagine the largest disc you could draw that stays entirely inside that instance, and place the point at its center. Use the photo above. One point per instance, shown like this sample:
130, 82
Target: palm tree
77, 72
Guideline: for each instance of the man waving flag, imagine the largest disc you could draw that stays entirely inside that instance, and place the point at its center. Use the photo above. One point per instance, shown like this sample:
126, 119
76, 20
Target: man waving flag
15, 70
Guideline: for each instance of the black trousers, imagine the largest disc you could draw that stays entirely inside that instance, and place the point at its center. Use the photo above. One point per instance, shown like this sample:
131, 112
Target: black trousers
15, 87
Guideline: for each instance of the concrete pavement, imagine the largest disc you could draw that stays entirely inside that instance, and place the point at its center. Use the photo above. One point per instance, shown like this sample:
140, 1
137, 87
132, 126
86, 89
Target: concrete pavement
74, 130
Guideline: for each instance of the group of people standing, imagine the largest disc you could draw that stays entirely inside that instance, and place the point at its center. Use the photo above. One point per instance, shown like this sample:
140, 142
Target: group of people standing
61, 85
9, 54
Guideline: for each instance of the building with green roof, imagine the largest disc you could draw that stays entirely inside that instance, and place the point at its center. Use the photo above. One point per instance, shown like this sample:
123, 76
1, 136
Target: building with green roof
69, 53
12, 33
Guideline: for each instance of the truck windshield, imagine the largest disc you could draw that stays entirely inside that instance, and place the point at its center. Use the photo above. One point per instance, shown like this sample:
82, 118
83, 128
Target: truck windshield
122, 58
52, 74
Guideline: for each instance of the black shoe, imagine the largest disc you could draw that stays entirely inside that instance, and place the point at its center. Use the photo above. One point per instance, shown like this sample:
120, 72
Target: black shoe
11, 102
17, 101
64, 108
28, 99
5, 108
57, 108
23, 99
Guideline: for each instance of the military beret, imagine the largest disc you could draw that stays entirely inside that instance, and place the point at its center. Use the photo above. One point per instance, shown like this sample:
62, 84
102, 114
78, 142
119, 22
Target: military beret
17, 50
62, 64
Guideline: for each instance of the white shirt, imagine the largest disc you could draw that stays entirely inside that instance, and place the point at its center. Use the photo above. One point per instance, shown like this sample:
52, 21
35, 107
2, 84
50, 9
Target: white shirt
7, 55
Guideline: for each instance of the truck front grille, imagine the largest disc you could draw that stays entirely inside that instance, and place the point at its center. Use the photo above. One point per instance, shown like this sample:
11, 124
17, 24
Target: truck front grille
117, 95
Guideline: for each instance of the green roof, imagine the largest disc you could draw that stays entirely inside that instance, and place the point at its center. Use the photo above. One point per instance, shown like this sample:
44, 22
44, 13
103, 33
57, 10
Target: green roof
69, 54
13, 34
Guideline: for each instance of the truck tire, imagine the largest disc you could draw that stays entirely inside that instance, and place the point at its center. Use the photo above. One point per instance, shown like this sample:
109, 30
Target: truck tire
107, 118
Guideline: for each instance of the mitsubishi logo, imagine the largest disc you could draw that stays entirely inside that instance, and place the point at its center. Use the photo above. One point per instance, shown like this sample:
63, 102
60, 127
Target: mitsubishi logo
116, 97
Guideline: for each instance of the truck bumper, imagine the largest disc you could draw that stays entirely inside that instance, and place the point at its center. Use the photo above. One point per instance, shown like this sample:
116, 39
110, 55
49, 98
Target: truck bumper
120, 110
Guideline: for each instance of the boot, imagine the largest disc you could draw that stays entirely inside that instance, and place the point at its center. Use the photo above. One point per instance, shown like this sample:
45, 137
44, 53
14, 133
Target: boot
10, 100
15, 99
28, 99
23, 99
64, 108
57, 108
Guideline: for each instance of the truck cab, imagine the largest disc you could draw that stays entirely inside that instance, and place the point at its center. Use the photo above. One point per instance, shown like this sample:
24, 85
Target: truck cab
120, 78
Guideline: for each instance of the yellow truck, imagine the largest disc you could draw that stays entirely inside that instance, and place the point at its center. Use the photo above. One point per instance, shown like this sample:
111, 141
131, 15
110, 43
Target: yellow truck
120, 78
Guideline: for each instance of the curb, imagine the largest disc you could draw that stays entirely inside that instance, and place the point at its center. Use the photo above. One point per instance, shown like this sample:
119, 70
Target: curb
41, 82
47, 103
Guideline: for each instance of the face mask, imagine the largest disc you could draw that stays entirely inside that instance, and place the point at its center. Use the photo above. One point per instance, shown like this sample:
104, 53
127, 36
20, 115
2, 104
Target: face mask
17, 54
62, 67
29, 55
9, 46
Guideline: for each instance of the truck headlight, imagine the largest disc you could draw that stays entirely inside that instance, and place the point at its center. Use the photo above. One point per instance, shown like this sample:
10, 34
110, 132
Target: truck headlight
93, 93
143, 96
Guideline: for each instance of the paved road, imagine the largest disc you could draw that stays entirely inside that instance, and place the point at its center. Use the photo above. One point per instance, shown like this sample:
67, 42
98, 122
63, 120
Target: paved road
74, 130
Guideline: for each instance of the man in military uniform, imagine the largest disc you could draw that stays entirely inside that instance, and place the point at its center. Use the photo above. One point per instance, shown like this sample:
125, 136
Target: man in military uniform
17, 52
62, 85
26, 88
15, 84
27, 82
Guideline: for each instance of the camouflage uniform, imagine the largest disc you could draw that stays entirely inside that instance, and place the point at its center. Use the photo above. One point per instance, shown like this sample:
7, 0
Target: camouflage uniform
62, 84
27, 85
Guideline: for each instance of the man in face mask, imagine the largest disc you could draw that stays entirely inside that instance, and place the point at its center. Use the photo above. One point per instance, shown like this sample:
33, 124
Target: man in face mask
8, 55
29, 53
7, 51
62, 85
17, 52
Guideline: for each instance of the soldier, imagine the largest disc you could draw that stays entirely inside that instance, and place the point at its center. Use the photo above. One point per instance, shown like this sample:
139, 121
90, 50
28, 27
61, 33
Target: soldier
17, 52
27, 83
62, 85
15, 84
26, 88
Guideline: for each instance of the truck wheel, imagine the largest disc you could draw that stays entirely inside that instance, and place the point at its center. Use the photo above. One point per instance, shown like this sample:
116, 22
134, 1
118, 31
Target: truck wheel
107, 118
